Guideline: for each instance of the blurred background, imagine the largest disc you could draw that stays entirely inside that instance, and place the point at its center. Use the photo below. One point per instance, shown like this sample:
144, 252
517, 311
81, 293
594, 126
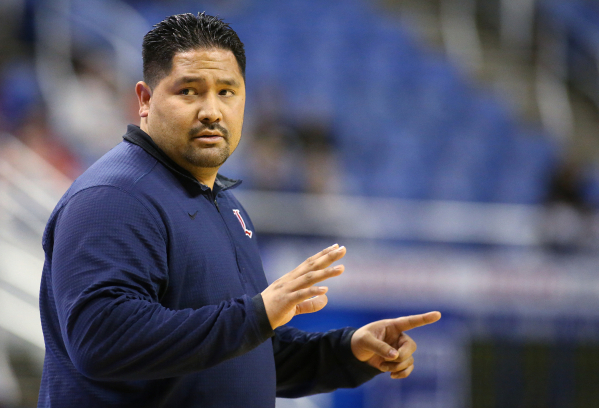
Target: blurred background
451, 145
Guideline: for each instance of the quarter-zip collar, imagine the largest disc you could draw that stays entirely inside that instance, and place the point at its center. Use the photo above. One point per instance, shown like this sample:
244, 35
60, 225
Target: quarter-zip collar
140, 138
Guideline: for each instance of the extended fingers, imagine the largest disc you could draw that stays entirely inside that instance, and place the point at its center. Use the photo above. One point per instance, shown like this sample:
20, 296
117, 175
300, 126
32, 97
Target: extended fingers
302, 295
325, 251
335, 253
310, 278
320, 261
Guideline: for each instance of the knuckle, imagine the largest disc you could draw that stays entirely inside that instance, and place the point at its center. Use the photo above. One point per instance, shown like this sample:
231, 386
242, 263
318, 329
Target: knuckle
309, 276
402, 356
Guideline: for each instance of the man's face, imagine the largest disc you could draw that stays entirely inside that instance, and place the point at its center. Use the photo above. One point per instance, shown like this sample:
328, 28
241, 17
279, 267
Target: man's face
195, 114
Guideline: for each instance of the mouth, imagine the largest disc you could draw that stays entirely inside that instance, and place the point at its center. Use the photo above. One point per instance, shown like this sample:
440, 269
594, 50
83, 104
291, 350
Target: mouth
206, 137
209, 134
209, 138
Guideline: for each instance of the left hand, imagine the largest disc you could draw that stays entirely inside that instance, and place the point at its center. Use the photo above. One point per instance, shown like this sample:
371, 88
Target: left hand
384, 345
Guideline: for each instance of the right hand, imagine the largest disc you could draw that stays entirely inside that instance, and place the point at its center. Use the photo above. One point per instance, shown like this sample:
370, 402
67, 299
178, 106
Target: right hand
293, 293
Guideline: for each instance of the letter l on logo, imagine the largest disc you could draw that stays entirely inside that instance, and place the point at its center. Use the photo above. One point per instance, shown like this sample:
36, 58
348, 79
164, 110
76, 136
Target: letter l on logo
242, 222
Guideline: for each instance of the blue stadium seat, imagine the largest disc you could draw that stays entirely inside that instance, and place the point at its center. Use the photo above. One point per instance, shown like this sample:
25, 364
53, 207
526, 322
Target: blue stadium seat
527, 170
19, 91
590, 186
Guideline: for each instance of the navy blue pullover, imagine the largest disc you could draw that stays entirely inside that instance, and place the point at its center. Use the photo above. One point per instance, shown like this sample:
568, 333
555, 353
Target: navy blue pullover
150, 297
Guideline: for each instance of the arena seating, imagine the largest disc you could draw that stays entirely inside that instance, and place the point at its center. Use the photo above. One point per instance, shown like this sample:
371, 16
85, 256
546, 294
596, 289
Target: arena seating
406, 122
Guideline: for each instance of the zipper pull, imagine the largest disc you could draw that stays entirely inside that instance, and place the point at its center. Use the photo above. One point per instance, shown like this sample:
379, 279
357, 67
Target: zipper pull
216, 204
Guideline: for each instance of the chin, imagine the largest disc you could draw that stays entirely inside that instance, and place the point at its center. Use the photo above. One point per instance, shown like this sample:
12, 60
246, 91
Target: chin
208, 161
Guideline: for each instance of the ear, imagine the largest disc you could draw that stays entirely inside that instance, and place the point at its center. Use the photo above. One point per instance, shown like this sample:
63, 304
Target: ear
144, 97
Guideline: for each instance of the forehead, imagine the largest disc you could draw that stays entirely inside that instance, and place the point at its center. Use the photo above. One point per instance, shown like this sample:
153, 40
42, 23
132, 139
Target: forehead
213, 61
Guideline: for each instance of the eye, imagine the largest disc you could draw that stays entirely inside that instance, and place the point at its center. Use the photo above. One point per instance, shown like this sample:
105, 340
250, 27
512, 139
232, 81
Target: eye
187, 91
226, 92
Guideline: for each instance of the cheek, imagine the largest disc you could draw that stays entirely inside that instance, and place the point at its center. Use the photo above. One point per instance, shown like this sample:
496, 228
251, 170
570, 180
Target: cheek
166, 110
164, 122
157, 114
237, 118
236, 127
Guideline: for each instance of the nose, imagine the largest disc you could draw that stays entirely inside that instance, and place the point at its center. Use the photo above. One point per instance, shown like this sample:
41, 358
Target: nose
210, 110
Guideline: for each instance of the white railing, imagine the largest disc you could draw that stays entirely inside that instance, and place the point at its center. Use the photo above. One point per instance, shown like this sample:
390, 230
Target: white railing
394, 219
460, 35
29, 188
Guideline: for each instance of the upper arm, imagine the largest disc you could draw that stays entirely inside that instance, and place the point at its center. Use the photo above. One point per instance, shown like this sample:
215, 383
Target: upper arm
106, 245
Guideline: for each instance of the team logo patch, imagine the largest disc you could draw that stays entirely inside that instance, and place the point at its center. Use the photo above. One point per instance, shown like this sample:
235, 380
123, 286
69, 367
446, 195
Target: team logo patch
242, 222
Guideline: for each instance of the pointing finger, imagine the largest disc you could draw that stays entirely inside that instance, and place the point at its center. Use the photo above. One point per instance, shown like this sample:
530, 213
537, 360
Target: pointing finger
410, 322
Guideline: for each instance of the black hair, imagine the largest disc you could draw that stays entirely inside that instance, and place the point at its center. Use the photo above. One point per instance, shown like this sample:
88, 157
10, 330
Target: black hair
186, 32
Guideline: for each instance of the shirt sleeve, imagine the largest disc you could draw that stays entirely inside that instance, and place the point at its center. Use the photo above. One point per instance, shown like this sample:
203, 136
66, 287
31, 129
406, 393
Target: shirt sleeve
313, 363
109, 272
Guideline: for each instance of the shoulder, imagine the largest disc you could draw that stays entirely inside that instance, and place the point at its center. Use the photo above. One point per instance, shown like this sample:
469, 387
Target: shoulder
122, 167
129, 169
110, 185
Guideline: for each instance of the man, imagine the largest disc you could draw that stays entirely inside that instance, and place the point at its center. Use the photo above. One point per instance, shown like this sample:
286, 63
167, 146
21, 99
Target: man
153, 292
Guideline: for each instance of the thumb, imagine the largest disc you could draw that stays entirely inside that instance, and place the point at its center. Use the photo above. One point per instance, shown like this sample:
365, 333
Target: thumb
369, 343
311, 305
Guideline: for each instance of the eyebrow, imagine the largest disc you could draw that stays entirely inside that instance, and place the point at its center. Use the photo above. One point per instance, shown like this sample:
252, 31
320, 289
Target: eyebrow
220, 81
227, 81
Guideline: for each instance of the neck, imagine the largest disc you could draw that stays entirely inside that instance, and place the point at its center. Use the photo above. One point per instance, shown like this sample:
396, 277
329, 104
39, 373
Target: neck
205, 179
